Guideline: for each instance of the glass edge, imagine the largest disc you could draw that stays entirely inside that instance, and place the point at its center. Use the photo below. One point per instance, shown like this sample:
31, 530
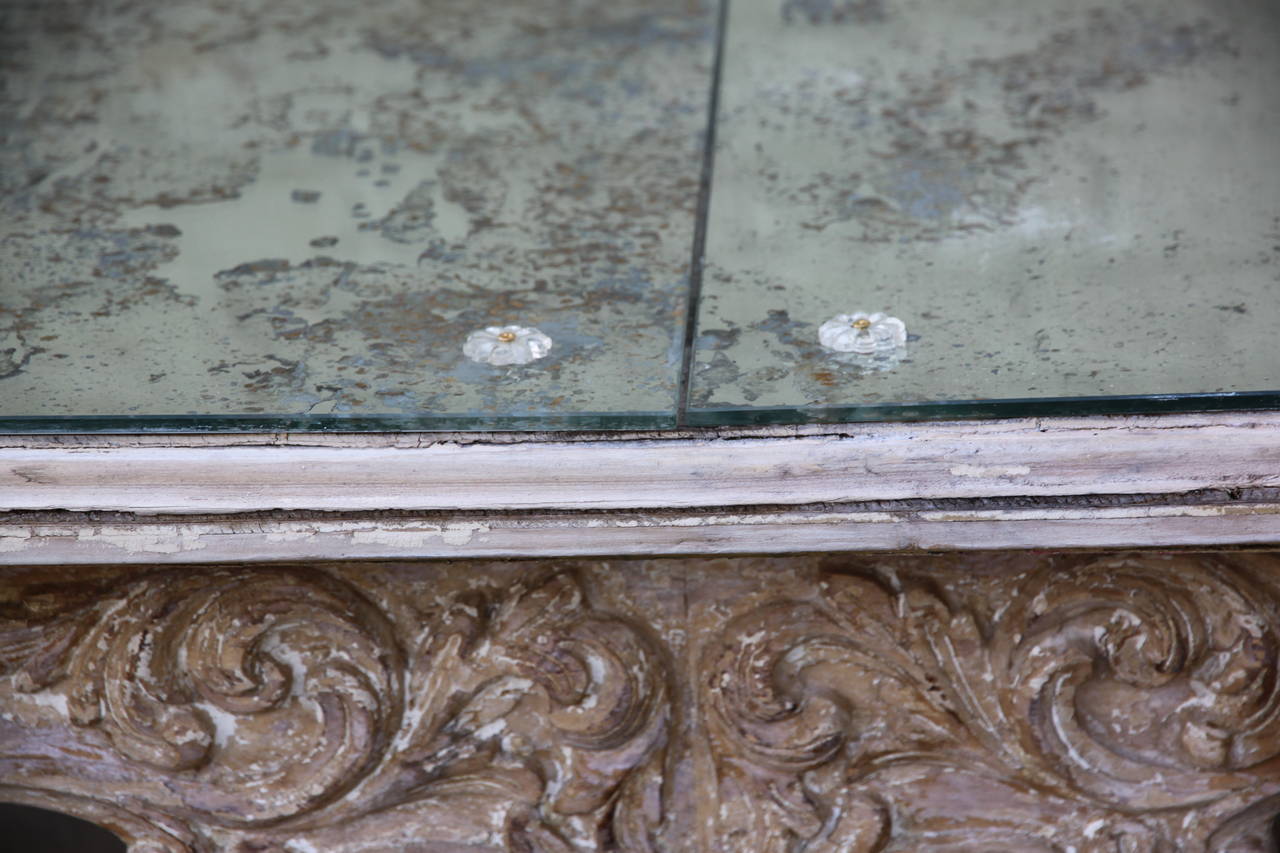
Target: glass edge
86, 424
645, 421
980, 409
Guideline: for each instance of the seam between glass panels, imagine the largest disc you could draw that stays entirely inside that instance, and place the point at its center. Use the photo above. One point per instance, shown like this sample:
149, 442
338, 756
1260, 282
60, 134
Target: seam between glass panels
701, 216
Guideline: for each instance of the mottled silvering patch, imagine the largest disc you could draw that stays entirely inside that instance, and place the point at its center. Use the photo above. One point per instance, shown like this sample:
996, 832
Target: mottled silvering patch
1060, 201
970, 183
411, 220
391, 337
834, 11
953, 149
88, 275
322, 200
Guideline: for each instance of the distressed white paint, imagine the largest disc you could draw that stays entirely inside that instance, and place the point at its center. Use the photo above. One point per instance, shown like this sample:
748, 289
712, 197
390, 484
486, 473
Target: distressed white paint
767, 467
769, 490
990, 470
694, 532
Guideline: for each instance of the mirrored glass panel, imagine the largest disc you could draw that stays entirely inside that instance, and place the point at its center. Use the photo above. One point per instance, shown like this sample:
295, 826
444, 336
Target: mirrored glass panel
319, 214
986, 207
437, 214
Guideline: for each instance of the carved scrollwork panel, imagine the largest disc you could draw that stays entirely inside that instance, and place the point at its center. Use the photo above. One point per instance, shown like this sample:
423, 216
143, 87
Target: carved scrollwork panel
277, 707
1105, 704
255, 695
991, 702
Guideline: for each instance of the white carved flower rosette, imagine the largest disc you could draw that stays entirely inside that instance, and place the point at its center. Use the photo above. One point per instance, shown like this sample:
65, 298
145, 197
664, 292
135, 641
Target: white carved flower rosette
871, 341
506, 345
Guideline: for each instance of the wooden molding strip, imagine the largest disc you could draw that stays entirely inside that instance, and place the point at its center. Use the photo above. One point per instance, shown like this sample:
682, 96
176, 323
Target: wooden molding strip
176, 540
1080, 483
843, 465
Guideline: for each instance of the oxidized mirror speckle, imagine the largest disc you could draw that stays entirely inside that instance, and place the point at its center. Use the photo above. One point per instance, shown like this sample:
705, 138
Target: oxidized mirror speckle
289, 208
1058, 199
293, 215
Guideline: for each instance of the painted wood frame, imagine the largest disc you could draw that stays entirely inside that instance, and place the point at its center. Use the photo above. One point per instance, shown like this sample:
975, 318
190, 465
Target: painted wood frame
1207, 479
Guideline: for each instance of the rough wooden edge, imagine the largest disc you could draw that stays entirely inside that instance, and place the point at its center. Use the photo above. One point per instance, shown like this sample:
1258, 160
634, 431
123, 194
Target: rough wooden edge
1157, 456
88, 539
1092, 482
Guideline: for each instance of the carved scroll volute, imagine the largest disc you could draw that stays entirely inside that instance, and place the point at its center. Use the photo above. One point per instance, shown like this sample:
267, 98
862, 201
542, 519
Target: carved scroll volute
796, 683
806, 700
1126, 704
257, 695
280, 710
1150, 682
606, 681
550, 712
1102, 704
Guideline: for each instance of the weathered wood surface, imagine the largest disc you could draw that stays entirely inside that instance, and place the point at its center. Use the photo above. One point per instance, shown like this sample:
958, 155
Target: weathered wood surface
1066, 483
844, 464
989, 702
57, 538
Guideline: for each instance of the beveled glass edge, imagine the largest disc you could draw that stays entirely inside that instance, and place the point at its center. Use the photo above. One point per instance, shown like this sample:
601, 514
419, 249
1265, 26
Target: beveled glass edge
583, 421
981, 409
648, 421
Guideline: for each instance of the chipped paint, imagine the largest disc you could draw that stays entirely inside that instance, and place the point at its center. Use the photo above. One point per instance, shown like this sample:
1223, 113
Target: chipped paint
415, 535
463, 532
15, 538
139, 540
612, 533
990, 470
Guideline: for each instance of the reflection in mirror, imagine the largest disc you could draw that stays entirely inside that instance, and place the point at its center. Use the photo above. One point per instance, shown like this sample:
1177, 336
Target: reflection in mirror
27, 828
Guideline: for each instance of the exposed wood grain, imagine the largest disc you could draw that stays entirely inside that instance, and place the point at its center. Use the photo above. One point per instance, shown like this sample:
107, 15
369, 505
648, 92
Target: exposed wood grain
85, 539
849, 464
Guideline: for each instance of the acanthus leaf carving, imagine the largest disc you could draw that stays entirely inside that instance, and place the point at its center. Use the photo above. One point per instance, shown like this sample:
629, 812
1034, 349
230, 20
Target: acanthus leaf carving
230, 681
286, 703
538, 702
1134, 700
995, 703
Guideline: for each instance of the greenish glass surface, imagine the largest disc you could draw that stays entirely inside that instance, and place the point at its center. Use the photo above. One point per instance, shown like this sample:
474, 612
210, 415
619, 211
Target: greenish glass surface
1073, 208
293, 214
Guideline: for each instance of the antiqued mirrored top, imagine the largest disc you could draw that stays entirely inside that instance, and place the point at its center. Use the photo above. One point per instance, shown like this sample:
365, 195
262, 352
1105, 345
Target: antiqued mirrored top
1069, 207
444, 214
299, 212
